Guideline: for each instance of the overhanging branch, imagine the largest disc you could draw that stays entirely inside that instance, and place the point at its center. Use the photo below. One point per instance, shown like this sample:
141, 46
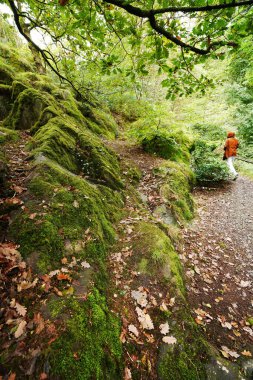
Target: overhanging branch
145, 13
41, 51
150, 15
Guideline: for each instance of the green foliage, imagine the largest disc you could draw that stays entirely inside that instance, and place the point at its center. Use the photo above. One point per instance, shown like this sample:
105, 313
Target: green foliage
208, 165
241, 90
209, 132
164, 141
113, 40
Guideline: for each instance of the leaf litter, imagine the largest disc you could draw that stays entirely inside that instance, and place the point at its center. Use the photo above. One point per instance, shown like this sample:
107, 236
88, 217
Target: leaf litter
222, 277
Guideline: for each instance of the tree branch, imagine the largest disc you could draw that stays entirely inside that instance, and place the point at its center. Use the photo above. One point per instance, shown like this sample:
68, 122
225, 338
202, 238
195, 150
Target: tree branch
144, 13
41, 51
150, 15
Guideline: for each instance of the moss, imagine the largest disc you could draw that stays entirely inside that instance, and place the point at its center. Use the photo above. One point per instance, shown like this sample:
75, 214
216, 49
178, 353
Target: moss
178, 180
26, 109
16, 58
105, 121
6, 73
90, 348
17, 88
158, 255
48, 113
69, 206
188, 357
5, 89
78, 150
250, 321
7, 134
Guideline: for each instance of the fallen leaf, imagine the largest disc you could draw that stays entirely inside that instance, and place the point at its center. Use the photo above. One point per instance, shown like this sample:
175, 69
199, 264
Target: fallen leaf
248, 330
21, 329
123, 336
226, 352
64, 260
14, 201
32, 216
244, 284
85, 265
54, 273
164, 328
12, 376
163, 307
127, 374
246, 353
144, 319
43, 376
169, 339
172, 301
140, 297
39, 321
22, 310
63, 276
133, 330
76, 204
26, 285
18, 189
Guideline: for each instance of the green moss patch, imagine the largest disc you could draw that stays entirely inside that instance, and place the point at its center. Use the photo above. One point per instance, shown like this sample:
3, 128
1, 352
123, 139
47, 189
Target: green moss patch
187, 358
157, 254
178, 180
26, 109
66, 206
90, 348
78, 150
7, 134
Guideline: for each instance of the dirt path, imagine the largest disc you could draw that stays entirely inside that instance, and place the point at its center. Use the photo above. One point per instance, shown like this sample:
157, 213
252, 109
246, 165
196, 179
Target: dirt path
218, 259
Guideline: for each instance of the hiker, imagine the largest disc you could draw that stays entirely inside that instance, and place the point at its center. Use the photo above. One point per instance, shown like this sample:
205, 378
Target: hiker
230, 148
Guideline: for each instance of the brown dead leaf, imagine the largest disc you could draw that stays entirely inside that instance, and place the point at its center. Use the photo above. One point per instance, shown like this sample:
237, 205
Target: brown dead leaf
63, 276
22, 310
23, 285
127, 374
64, 260
14, 201
32, 216
12, 376
21, 329
39, 321
246, 353
43, 376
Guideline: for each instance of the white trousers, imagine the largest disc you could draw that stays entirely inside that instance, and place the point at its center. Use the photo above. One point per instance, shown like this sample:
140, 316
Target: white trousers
230, 162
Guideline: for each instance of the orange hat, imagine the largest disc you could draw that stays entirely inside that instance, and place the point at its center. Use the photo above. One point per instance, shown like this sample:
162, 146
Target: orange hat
231, 134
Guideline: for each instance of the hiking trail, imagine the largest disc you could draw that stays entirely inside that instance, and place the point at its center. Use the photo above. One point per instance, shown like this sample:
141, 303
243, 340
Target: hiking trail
216, 253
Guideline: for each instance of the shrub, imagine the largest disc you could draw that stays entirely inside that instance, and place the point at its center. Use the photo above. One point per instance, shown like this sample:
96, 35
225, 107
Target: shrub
207, 165
173, 145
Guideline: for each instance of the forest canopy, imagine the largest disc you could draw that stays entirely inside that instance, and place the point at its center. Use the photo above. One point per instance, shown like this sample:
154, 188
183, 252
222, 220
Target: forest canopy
129, 37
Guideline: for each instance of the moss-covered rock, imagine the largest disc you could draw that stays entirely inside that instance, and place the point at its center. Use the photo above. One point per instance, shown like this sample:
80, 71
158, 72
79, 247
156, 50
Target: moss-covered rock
90, 347
68, 206
175, 190
5, 100
20, 59
75, 148
157, 255
26, 110
6, 73
187, 359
